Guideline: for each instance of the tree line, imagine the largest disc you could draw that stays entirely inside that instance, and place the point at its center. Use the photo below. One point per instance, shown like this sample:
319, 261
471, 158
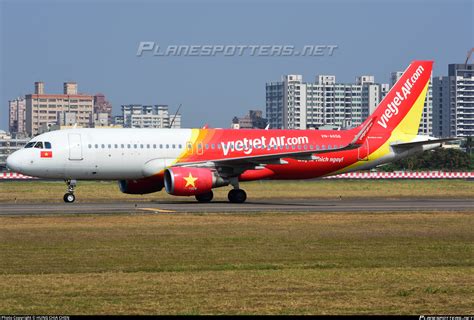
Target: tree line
439, 159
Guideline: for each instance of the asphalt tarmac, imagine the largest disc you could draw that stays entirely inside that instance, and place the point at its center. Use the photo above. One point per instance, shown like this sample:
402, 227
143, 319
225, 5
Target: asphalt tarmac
281, 205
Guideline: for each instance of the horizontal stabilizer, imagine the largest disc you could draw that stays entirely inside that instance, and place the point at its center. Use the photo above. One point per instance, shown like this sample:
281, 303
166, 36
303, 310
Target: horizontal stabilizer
408, 145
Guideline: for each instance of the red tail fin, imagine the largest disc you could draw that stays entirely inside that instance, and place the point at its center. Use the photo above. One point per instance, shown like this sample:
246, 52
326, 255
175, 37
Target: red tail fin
404, 101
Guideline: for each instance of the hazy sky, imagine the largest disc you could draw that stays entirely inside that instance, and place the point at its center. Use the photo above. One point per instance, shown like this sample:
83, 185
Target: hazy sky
95, 42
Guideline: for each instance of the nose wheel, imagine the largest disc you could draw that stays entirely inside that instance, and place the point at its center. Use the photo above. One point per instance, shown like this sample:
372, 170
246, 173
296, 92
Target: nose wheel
69, 197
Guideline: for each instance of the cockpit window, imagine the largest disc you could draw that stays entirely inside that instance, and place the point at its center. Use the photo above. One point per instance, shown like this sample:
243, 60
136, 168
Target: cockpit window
47, 145
30, 144
39, 145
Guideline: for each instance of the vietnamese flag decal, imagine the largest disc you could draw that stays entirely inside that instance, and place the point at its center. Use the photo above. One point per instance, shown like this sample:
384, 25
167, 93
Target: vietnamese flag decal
46, 154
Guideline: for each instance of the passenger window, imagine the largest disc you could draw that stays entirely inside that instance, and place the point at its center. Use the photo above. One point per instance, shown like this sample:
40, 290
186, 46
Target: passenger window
167, 146
299, 147
47, 145
110, 146
116, 146
207, 146
90, 146
30, 144
122, 146
103, 146
148, 146
39, 145
305, 147
129, 146
293, 147
219, 146
329, 147
213, 146
317, 147
161, 146
141, 146
180, 146
96, 146
287, 147
154, 146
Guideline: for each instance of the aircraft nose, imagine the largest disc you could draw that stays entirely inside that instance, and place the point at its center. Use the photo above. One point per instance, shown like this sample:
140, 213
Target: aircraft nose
14, 162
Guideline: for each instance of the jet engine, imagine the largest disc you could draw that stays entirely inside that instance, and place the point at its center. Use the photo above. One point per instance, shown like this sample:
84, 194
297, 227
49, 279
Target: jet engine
186, 181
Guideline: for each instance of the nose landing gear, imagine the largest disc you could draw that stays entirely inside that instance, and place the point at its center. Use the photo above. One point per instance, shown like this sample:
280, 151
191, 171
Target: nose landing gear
69, 196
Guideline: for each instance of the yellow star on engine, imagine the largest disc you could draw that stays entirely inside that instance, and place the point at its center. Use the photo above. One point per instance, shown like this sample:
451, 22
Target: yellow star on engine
190, 180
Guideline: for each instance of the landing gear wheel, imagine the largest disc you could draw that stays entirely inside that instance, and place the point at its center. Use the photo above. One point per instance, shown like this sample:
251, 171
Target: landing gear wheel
237, 196
205, 197
69, 198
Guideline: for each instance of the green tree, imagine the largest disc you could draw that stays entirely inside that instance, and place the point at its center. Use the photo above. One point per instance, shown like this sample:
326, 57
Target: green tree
438, 159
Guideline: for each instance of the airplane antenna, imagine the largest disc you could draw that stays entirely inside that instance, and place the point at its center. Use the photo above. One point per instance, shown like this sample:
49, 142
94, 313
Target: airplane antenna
172, 121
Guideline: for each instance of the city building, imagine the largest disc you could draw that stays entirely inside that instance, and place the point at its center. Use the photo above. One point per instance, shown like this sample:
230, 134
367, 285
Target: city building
117, 120
17, 115
253, 120
426, 124
294, 104
149, 116
67, 108
8, 145
101, 105
453, 102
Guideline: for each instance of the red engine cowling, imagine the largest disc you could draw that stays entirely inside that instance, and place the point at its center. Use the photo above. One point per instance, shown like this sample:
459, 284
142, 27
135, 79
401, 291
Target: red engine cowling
142, 186
184, 181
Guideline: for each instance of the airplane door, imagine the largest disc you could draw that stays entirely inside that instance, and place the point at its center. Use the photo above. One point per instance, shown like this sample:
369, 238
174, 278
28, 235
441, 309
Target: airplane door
363, 151
75, 146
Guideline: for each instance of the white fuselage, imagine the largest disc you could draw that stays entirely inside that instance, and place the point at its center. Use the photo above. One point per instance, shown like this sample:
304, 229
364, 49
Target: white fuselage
102, 153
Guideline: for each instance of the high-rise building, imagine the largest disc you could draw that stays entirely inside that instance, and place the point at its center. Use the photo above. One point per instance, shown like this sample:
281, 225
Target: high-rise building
453, 102
17, 115
294, 104
45, 110
149, 116
426, 124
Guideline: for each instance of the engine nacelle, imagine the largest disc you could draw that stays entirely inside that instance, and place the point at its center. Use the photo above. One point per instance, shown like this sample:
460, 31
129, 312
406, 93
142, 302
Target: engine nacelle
141, 186
185, 181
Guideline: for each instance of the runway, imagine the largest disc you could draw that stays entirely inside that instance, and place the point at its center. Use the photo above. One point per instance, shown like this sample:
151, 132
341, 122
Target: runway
283, 205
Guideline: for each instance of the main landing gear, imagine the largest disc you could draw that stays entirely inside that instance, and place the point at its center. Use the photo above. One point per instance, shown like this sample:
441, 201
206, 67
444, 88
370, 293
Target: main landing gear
69, 196
236, 195
205, 197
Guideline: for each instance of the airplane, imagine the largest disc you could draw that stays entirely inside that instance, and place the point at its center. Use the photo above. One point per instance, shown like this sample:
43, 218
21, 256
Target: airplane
191, 162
